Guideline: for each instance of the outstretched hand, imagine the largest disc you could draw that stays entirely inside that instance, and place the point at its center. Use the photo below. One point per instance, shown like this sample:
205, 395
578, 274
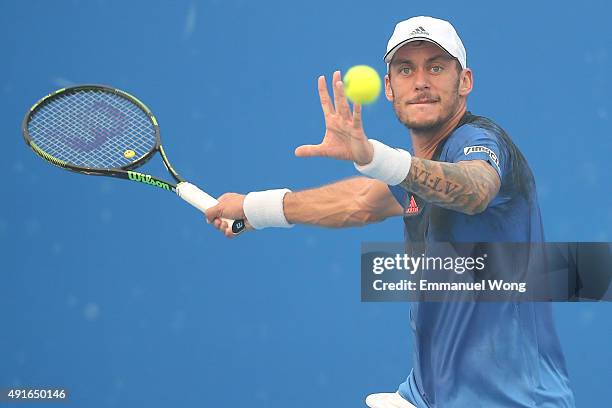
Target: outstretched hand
344, 136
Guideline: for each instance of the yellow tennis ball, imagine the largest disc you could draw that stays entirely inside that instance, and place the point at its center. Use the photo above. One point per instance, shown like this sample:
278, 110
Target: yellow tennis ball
362, 84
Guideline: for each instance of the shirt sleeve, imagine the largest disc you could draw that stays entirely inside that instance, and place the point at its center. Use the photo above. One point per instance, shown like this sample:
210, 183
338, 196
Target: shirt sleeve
478, 144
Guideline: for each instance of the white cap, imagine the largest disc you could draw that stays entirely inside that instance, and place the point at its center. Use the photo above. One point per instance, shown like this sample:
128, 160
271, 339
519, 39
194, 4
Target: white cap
434, 30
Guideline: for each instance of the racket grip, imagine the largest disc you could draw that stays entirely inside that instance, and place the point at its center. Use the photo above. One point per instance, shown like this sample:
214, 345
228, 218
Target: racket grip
203, 201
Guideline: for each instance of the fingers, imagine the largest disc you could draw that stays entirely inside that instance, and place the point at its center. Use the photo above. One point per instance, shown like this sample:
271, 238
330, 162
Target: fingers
308, 151
340, 101
340, 104
213, 212
326, 104
357, 124
227, 231
223, 227
230, 206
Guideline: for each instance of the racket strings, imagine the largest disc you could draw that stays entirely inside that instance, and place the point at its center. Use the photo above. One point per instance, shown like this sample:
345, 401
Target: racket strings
92, 128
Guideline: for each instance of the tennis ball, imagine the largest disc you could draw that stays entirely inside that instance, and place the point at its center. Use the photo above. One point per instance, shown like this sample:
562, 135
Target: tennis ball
362, 84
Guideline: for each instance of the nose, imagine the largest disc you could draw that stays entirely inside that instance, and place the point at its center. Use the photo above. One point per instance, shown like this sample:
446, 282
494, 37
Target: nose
421, 80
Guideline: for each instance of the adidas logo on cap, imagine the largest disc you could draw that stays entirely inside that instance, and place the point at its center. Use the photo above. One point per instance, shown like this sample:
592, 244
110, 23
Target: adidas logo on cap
419, 31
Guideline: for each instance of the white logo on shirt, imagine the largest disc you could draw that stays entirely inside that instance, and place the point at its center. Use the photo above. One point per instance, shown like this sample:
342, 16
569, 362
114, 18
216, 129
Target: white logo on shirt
482, 149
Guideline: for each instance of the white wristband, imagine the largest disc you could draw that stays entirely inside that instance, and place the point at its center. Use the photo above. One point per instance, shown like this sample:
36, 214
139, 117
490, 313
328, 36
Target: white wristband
388, 164
265, 209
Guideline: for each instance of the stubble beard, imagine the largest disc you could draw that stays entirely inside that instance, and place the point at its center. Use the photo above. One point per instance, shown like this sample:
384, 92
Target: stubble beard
431, 126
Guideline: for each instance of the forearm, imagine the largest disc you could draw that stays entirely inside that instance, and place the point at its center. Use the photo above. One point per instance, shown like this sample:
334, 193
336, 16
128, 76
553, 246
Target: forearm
345, 203
467, 187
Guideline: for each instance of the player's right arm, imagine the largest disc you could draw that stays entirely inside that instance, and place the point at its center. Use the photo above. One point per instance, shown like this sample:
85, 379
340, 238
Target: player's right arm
346, 203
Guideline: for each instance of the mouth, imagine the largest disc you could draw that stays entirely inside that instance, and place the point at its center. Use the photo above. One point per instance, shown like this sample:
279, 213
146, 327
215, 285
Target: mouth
423, 102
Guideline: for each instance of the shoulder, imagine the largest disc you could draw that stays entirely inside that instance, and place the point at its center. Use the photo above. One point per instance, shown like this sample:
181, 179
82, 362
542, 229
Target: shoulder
482, 138
473, 142
477, 129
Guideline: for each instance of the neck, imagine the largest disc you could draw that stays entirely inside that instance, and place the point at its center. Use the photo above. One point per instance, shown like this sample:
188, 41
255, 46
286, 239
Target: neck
425, 142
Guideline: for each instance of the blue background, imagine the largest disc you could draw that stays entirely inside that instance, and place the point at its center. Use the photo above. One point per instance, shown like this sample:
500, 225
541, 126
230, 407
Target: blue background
125, 296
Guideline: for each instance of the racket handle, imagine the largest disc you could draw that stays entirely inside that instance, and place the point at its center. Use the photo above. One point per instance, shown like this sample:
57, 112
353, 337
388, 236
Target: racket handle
203, 201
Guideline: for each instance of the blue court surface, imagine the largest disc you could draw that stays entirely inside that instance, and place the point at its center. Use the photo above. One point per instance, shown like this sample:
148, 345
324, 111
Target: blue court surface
123, 295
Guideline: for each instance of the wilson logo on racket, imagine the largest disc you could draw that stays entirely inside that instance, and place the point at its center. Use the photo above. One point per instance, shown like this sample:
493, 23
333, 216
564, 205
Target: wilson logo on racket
147, 179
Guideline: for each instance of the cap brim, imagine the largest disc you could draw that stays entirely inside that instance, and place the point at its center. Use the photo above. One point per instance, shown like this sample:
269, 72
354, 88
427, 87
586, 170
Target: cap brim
389, 55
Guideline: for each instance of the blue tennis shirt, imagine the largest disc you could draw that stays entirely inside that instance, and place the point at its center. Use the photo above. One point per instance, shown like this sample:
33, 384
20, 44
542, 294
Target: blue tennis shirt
483, 354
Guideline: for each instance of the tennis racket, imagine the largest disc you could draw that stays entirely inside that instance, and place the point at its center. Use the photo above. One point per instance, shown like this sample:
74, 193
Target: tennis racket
103, 131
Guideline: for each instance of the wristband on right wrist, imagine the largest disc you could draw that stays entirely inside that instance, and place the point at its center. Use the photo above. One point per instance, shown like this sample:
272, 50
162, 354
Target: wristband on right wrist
264, 209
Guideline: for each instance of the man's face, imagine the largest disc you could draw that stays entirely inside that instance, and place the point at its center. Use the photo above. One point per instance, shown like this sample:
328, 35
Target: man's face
425, 85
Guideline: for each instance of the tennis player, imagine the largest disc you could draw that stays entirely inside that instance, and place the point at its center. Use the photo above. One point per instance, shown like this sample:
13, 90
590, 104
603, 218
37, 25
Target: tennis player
464, 180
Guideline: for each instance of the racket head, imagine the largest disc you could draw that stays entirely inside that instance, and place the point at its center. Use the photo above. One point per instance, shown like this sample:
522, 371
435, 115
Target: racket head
92, 129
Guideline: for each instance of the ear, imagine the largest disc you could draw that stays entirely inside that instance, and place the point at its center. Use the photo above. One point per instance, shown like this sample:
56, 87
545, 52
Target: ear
388, 90
466, 82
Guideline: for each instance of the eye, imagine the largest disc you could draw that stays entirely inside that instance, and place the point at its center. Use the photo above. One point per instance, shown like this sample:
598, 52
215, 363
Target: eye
406, 70
436, 69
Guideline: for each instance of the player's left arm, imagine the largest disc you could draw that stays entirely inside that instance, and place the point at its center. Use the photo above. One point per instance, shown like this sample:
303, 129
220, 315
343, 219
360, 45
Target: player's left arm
466, 186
